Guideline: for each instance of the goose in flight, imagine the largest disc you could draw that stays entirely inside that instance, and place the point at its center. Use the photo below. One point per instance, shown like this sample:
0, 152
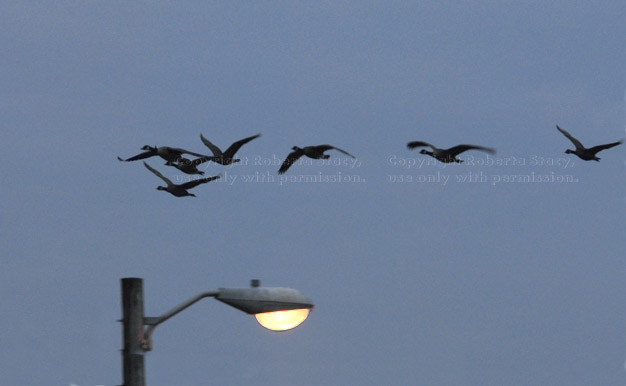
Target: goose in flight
170, 154
447, 155
315, 152
179, 190
188, 166
581, 151
227, 157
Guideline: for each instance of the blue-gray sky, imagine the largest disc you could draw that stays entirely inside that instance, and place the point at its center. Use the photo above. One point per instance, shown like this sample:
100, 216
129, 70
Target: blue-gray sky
418, 276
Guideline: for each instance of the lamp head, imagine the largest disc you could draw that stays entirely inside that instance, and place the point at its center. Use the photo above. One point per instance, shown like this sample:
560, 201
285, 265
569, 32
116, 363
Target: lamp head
275, 308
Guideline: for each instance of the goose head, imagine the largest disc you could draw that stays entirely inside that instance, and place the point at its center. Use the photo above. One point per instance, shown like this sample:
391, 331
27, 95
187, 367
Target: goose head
148, 147
296, 148
569, 151
424, 151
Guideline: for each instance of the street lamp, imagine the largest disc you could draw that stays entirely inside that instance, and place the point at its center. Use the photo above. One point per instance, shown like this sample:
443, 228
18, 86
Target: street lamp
275, 308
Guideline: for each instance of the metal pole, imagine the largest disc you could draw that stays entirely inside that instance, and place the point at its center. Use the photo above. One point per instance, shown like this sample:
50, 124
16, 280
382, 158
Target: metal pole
132, 318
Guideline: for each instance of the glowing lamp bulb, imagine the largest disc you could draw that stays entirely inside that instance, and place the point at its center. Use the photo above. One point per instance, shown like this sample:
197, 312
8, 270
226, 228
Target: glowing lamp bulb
282, 320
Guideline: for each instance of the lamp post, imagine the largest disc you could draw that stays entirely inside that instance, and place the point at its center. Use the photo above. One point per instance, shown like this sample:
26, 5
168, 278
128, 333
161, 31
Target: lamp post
275, 308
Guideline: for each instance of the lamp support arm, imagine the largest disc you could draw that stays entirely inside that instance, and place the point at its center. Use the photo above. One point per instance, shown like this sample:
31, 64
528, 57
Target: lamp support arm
153, 322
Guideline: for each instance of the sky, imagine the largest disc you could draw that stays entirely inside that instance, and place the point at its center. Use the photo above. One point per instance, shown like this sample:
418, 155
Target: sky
507, 269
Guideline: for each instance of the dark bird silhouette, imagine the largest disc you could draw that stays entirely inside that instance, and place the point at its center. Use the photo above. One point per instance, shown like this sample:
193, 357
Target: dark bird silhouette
581, 151
179, 190
188, 166
169, 154
226, 158
447, 155
315, 152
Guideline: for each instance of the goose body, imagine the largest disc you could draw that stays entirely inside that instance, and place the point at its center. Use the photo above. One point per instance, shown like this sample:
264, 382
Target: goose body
188, 166
586, 154
226, 157
179, 190
314, 152
170, 154
447, 155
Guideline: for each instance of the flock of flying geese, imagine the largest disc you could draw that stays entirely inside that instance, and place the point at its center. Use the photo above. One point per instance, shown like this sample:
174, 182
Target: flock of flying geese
175, 157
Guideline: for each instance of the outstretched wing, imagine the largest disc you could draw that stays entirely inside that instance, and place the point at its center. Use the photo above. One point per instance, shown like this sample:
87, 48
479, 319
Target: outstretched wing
145, 154
161, 176
596, 149
291, 158
194, 183
214, 149
230, 152
454, 151
414, 144
323, 148
569, 136
197, 161
183, 151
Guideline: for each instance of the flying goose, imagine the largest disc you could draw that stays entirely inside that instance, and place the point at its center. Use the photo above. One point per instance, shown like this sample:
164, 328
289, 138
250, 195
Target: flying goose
169, 154
581, 151
447, 155
315, 152
179, 190
188, 166
226, 158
